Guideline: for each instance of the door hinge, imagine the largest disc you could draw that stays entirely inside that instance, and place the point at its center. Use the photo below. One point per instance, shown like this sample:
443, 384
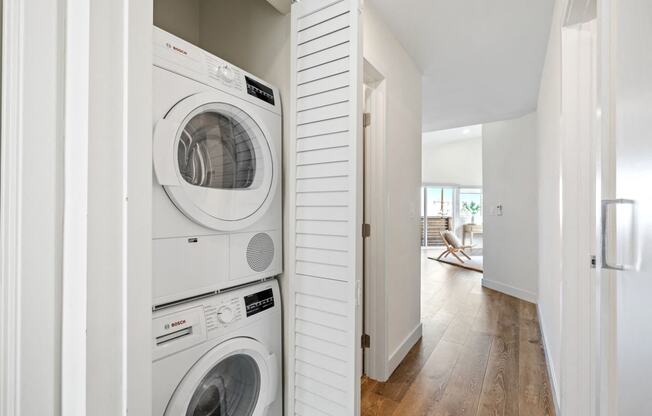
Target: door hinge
366, 341
594, 262
366, 119
366, 230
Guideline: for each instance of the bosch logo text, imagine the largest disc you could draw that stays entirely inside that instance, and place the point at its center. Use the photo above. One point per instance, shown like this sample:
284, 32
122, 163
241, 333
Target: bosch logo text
175, 324
176, 49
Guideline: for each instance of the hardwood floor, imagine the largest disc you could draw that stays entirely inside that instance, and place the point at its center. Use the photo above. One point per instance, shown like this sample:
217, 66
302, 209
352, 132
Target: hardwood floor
480, 354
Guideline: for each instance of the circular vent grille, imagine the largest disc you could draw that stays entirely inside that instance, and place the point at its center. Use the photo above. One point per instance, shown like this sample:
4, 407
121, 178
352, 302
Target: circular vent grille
260, 252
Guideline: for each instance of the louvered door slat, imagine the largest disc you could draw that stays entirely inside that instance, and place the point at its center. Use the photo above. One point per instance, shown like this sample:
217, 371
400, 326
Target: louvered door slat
323, 28
325, 42
322, 85
323, 14
335, 96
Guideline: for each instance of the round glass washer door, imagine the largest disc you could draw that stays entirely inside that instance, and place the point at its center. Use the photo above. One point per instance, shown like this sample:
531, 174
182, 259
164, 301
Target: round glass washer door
235, 378
215, 162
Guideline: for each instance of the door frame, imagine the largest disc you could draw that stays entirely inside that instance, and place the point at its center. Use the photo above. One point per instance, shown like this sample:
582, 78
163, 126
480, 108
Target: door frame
74, 240
597, 353
376, 359
579, 154
31, 206
605, 364
107, 243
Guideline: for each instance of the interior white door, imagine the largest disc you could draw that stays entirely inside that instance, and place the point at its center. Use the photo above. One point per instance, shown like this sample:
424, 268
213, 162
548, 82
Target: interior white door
631, 66
325, 209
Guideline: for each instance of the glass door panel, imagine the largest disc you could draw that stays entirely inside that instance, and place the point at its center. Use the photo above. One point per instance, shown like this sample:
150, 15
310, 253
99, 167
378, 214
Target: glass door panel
438, 210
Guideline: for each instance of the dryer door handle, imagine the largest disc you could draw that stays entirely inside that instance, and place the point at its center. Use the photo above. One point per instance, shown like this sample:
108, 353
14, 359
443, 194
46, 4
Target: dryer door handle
165, 134
272, 366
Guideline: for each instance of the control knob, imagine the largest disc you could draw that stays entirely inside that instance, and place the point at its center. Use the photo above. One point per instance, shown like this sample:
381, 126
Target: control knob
225, 315
226, 73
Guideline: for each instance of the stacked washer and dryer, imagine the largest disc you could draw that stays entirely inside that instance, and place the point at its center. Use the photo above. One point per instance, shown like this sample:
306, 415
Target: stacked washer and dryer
217, 236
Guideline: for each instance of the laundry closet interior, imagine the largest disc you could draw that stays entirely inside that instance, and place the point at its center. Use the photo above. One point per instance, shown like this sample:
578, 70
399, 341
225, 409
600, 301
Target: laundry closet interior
218, 71
256, 207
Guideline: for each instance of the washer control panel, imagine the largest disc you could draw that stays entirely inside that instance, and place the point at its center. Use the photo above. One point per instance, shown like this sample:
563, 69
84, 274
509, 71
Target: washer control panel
231, 309
179, 327
258, 302
223, 314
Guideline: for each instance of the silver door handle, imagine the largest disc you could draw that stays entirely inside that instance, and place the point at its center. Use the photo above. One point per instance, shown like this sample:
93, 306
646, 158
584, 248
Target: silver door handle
606, 240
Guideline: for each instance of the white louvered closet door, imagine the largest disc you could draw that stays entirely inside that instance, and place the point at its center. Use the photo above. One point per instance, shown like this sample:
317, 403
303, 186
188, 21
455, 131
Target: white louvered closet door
325, 211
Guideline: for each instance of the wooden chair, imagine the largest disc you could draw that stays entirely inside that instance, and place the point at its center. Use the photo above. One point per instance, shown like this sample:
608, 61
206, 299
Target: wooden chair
453, 246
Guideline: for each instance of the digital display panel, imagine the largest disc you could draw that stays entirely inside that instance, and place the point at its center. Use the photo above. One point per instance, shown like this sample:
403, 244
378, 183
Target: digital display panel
259, 302
260, 91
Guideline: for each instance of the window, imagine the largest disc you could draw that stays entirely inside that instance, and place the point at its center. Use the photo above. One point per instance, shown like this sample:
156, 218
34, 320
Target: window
439, 201
470, 205
438, 204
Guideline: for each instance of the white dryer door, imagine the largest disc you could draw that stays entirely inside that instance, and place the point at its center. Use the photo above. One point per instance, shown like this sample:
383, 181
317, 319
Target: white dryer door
236, 378
213, 157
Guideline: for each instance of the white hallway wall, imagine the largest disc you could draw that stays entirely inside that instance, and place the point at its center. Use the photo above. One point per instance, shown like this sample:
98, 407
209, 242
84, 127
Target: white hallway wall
510, 179
458, 162
549, 184
403, 178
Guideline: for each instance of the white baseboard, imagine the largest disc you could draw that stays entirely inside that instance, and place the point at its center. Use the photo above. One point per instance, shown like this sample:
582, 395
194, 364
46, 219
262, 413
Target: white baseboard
510, 290
551, 369
399, 354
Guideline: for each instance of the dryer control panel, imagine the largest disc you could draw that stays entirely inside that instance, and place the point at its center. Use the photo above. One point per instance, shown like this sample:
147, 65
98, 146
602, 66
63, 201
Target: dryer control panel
260, 90
177, 55
228, 75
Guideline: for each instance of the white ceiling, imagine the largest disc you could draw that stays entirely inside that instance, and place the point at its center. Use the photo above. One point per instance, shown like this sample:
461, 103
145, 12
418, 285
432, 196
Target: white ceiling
457, 134
481, 60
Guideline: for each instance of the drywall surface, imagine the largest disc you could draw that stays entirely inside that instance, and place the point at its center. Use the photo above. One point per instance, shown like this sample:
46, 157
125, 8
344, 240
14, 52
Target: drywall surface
457, 162
180, 17
402, 176
510, 179
550, 229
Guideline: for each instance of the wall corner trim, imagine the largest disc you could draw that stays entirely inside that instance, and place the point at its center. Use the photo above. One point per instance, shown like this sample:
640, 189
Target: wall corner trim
510, 290
399, 354
552, 377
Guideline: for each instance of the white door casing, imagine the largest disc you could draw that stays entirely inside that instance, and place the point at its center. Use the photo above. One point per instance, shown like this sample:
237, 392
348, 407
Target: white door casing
106, 326
375, 303
31, 205
325, 209
75, 353
578, 169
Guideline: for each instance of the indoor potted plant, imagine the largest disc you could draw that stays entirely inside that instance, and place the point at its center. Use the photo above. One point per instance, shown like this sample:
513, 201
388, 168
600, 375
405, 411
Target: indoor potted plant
472, 208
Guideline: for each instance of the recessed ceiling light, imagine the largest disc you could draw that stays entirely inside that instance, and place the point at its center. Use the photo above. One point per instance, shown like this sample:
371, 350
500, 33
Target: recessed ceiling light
466, 131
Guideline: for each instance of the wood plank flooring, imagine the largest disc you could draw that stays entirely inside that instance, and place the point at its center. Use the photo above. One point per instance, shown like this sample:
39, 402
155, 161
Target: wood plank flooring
480, 354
